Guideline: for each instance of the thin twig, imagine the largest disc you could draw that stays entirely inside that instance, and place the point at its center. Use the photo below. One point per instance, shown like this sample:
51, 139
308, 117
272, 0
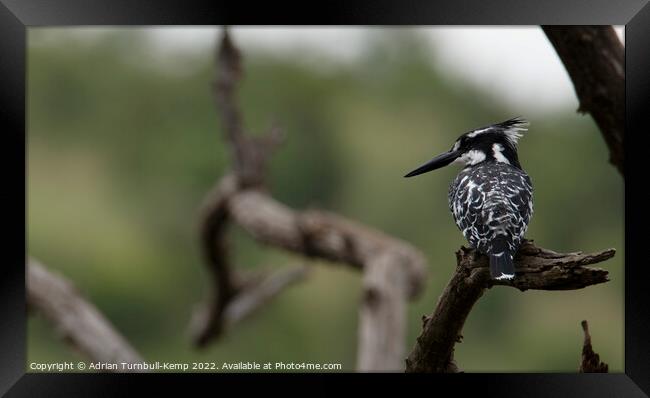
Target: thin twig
590, 360
256, 294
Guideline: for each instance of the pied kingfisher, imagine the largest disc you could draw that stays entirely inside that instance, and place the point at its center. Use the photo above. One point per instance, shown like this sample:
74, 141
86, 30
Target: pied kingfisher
492, 197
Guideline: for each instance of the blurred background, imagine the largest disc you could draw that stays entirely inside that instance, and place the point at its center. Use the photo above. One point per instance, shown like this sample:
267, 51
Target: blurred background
124, 142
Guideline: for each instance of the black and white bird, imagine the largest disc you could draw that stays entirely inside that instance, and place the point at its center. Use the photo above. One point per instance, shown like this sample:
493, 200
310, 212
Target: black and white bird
492, 197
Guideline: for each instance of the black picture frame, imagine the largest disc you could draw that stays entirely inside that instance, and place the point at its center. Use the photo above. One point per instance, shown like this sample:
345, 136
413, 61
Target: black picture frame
17, 15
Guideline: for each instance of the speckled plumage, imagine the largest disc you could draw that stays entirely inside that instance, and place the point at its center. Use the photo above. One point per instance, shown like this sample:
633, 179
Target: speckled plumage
490, 200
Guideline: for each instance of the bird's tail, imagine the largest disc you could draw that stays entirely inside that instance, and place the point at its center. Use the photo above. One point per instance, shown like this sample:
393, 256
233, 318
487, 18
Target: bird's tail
502, 266
501, 263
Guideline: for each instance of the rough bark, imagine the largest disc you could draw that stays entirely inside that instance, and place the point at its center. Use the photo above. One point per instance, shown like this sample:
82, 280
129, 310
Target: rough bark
536, 268
594, 57
78, 321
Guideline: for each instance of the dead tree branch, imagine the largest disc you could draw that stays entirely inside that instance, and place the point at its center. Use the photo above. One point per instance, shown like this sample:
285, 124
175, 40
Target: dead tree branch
590, 360
77, 320
324, 235
249, 156
393, 270
207, 318
382, 313
256, 293
594, 57
262, 292
537, 268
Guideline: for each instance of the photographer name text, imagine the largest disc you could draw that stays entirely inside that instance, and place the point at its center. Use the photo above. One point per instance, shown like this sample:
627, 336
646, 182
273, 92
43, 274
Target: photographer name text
157, 366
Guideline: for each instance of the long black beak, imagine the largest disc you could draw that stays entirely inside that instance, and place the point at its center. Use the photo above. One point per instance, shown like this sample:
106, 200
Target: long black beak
439, 161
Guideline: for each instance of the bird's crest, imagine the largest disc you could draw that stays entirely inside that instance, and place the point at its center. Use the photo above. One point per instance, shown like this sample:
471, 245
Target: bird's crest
513, 128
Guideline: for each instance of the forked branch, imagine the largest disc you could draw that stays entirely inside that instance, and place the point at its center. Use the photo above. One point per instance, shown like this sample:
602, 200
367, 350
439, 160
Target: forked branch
394, 271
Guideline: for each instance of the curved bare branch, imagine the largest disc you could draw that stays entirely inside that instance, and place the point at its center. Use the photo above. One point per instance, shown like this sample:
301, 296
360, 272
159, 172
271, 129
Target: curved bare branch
594, 57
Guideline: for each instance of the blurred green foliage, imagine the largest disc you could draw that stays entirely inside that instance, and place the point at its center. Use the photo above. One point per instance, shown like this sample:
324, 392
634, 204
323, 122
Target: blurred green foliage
121, 152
